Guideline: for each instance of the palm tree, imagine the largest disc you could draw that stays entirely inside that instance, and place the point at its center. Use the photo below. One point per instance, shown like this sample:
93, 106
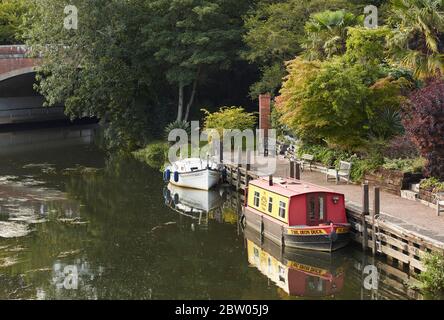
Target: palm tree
417, 41
326, 33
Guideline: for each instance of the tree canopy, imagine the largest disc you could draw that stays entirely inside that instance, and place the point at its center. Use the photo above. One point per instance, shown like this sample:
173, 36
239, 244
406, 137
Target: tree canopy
12, 14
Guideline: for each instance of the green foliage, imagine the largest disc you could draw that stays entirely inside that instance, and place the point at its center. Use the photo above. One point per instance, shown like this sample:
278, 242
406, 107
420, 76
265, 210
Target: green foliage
432, 184
342, 102
330, 156
325, 155
405, 165
229, 118
12, 16
274, 33
329, 104
183, 125
189, 37
154, 154
433, 278
366, 45
326, 33
362, 166
127, 59
416, 38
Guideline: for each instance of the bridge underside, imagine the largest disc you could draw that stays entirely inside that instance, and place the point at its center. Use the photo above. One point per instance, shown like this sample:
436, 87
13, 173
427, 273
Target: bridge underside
20, 103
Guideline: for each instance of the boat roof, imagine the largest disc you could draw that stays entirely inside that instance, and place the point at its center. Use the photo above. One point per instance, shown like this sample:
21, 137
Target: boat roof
289, 187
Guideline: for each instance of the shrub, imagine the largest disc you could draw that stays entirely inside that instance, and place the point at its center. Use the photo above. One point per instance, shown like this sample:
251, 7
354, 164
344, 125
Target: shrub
361, 166
331, 157
424, 121
178, 124
401, 147
229, 118
432, 184
405, 165
433, 278
155, 154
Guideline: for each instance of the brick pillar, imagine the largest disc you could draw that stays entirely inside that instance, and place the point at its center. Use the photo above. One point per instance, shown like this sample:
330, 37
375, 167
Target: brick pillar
264, 111
265, 117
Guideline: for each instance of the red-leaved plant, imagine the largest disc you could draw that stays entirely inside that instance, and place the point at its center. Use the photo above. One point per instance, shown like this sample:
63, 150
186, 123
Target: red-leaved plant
423, 119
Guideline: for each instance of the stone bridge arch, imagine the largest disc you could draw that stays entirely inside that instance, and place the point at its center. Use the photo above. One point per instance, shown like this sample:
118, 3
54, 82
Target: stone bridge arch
18, 100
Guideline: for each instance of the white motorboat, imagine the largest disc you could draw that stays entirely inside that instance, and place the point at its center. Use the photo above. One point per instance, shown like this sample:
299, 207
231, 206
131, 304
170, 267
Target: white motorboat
194, 173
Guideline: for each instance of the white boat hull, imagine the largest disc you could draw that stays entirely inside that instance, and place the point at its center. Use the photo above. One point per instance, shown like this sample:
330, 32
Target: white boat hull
194, 199
200, 179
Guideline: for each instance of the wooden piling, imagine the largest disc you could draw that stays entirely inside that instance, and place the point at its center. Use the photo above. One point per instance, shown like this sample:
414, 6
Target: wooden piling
298, 171
238, 182
292, 175
221, 151
248, 160
365, 212
376, 210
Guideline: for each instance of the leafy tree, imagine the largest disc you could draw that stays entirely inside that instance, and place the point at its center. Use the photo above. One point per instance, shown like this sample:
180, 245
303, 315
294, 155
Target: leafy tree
99, 70
191, 36
235, 118
326, 33
341, 103
12, 14
274, 33
423, 118
417, 40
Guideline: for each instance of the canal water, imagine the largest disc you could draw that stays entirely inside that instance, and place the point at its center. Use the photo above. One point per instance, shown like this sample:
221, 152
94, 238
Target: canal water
76, 224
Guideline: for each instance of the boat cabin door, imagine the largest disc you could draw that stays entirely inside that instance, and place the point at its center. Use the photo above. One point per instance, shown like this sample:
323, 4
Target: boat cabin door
316, 209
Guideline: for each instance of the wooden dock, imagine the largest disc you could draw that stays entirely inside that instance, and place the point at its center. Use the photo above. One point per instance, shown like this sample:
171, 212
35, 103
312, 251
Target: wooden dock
375, 230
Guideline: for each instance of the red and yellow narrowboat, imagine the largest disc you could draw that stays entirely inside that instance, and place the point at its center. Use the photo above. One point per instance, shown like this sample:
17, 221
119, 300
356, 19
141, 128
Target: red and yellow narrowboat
297, 214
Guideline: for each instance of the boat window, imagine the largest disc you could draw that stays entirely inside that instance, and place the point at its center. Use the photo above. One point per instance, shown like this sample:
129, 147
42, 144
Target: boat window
256, 199
311, 209
321, 207
270, 204
282, 206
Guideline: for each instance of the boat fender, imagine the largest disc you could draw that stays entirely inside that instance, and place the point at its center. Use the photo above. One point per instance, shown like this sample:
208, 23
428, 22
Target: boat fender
176, 199
167, 194
176, 176
333, 236
167, 175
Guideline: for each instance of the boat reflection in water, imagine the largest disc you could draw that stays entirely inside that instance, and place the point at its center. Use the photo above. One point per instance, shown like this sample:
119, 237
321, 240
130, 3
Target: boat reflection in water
297, 272
199, 205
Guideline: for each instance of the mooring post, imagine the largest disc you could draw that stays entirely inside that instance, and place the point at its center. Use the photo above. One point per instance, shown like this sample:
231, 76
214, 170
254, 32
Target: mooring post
376, 210
292, 169
298, 171
248, 168
365, 212
248, 160
238, 182
221, 151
